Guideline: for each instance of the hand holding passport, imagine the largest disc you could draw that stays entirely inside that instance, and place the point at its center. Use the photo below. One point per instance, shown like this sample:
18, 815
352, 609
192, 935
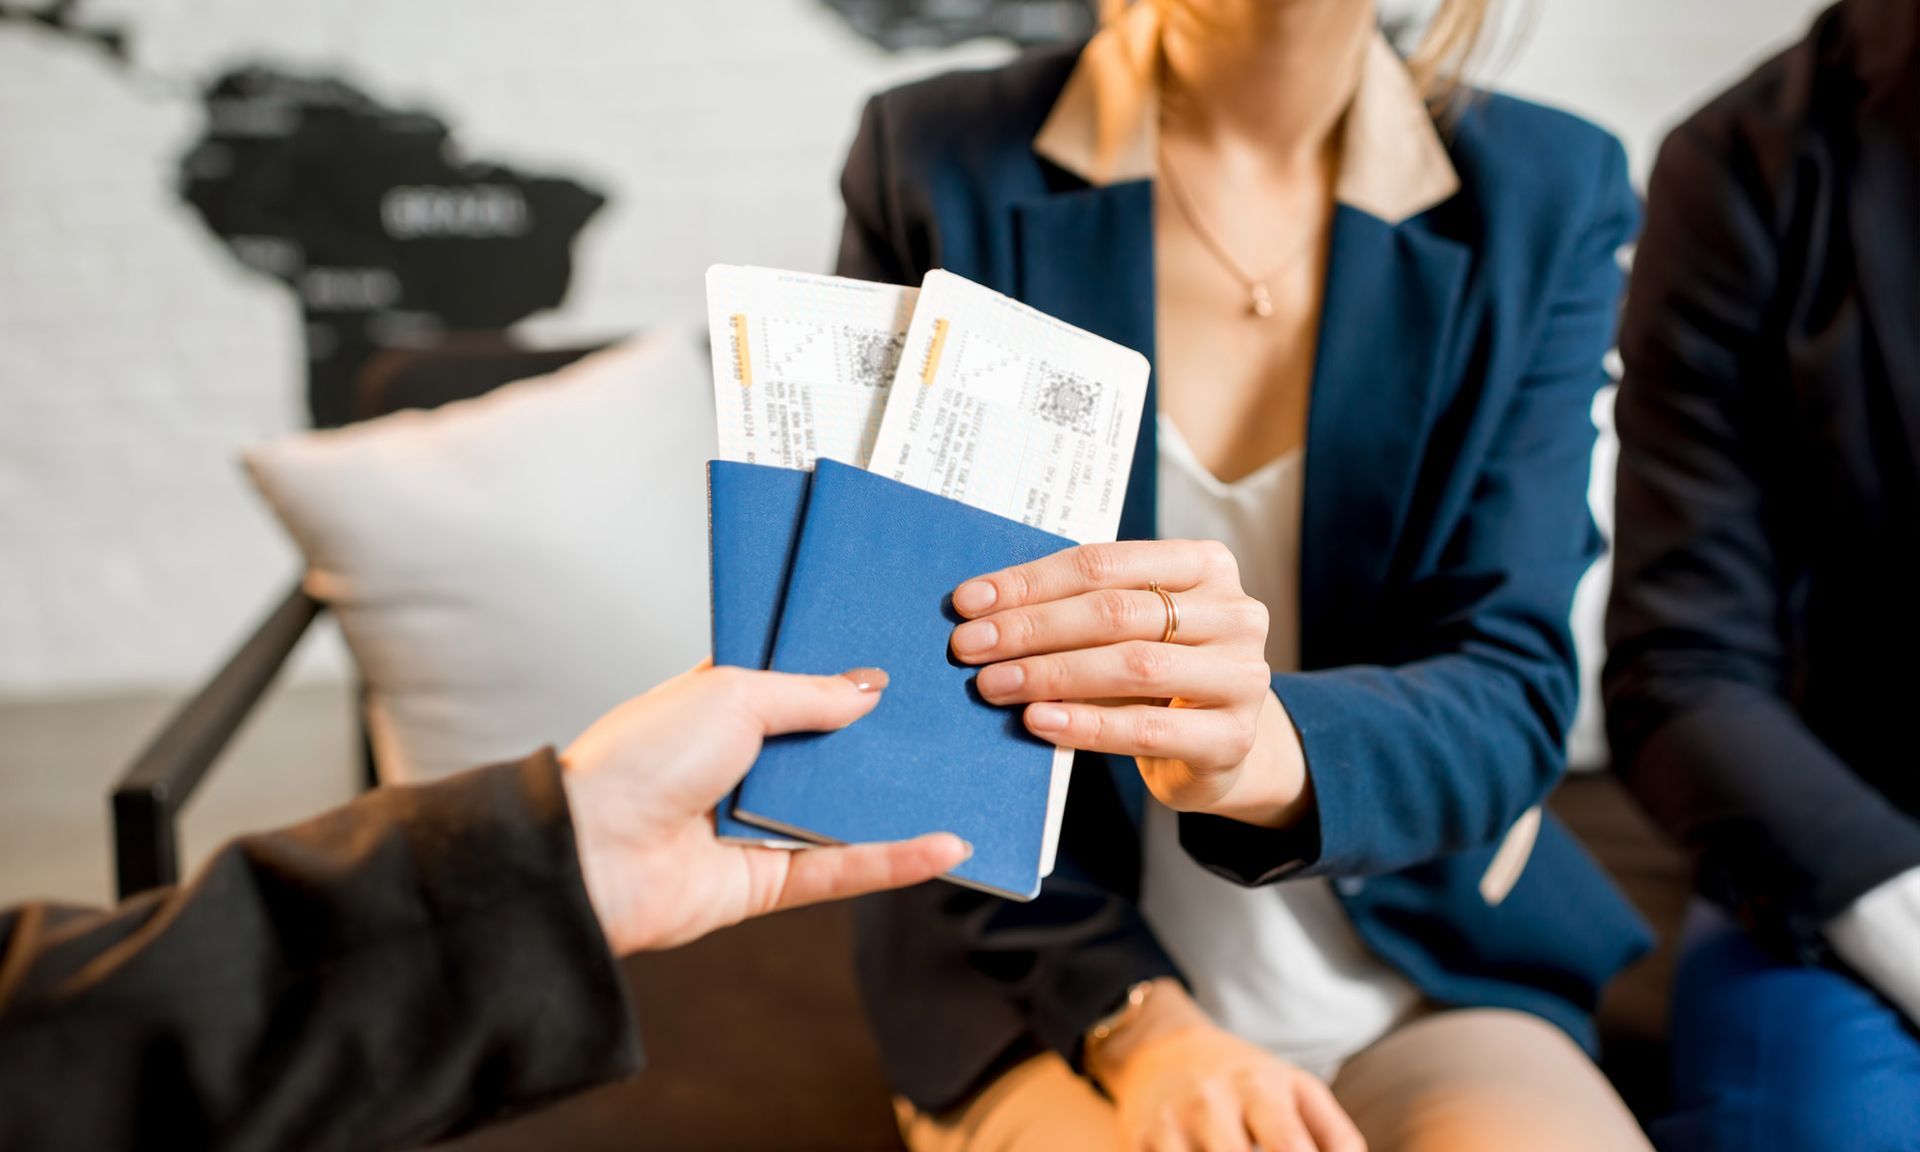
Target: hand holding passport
995, 435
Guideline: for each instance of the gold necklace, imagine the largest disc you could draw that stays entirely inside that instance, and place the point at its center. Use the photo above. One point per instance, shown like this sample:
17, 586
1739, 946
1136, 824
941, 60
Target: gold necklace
1259, 298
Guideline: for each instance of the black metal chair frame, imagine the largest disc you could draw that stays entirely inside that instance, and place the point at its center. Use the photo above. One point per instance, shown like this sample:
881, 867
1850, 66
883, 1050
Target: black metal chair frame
148, 799
150, 795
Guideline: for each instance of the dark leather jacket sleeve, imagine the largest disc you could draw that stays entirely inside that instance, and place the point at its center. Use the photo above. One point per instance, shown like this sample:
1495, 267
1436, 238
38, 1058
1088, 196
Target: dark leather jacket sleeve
408, 966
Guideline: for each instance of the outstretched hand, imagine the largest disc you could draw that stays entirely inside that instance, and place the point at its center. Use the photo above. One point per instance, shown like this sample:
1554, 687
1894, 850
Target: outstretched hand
643, 781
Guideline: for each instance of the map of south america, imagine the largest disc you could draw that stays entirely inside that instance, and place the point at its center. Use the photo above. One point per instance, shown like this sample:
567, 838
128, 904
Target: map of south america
384, 234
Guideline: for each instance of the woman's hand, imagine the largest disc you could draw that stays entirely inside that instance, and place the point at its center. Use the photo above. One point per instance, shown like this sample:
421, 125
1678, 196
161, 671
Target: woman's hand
1183, 1084
642, 783
1080, 639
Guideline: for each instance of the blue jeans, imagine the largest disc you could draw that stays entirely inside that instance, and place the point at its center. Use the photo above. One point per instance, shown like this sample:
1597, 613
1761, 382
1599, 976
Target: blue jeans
1772, 1057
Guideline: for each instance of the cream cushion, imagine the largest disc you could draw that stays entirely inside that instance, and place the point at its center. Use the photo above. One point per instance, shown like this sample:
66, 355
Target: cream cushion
507, 568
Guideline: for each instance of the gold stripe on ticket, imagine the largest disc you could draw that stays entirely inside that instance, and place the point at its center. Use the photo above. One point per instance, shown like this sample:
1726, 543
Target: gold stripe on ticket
742, 364
932, 367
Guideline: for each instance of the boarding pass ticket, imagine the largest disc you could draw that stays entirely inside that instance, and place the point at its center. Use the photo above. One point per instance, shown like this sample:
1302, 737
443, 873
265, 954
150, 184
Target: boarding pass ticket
801, 363
952, 388
1003, 407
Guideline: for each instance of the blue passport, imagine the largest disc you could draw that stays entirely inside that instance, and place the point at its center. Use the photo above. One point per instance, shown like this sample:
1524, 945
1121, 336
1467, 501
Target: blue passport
869, 587
753, 522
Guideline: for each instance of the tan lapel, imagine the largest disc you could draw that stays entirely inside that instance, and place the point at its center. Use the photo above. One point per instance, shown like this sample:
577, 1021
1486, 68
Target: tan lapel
1104, 127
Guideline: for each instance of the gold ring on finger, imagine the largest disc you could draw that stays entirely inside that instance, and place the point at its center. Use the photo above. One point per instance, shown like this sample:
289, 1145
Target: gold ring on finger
1173, 611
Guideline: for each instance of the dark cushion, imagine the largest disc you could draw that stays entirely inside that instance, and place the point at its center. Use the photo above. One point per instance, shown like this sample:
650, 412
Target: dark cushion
459, 367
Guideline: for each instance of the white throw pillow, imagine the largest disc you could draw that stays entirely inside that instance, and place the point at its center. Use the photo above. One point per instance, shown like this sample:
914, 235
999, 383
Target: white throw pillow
507, 568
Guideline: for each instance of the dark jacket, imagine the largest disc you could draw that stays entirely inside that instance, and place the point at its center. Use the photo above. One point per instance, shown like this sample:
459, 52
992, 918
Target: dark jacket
1765, 617
1445, 528
418, 962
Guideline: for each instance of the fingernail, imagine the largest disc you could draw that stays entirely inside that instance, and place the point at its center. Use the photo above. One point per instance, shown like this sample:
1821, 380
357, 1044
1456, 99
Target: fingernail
967, 853
1046, 717
867, 679
1001, 679
974, 596
975, 636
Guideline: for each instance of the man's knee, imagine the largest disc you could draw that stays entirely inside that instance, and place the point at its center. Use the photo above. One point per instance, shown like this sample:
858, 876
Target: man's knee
1773, 1057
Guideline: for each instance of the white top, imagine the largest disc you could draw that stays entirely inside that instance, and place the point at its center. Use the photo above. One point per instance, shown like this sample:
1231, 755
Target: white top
1879, 936
1279, 965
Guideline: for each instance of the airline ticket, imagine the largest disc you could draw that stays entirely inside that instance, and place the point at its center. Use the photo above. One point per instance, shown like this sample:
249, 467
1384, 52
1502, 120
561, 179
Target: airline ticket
801, 363
1002, 407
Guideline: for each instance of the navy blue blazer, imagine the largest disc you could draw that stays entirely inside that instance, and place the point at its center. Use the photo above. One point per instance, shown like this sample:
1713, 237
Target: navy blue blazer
1445, 527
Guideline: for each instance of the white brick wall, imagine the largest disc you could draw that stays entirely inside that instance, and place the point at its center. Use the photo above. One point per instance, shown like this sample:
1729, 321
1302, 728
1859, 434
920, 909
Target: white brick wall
135, 357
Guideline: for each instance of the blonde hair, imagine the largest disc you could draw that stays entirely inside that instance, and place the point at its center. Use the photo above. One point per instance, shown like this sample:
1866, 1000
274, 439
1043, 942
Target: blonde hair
1450, 44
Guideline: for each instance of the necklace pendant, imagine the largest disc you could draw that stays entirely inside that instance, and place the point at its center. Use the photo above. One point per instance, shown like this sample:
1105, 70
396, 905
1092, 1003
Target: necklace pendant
1258, 301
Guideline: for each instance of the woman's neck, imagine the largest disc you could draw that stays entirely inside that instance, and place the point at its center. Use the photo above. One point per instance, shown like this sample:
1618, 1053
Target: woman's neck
1273, 76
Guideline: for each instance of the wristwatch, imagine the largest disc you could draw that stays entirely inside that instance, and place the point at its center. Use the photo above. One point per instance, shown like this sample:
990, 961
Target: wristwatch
1131, 1007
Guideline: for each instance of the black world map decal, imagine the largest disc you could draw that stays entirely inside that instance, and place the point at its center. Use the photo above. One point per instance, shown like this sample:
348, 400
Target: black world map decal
383, 231
384, 234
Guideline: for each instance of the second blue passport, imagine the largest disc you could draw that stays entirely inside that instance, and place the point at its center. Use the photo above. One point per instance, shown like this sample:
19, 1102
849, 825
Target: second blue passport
868, 586
754, 514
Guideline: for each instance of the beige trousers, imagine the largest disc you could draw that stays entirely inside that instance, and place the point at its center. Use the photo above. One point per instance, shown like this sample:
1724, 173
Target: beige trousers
1472, 1080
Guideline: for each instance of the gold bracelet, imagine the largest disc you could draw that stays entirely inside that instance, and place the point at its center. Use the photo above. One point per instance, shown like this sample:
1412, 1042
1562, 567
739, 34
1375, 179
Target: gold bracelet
1135, 1003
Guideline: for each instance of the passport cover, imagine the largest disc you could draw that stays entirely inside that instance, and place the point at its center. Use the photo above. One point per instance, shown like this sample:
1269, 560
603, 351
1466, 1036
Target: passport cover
869, 587
753, 522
